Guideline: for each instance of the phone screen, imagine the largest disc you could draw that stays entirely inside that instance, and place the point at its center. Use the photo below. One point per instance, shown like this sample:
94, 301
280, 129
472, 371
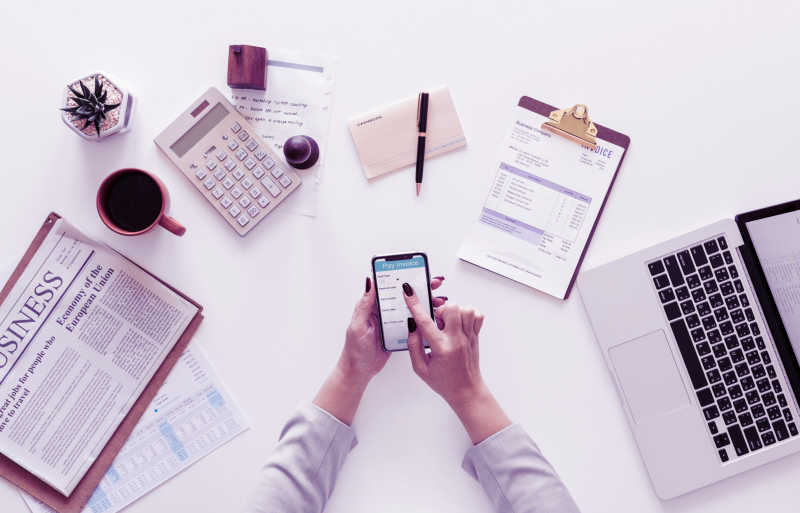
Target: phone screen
390, 273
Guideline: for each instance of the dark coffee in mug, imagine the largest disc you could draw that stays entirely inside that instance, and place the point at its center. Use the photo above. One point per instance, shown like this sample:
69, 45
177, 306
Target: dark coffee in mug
133, 201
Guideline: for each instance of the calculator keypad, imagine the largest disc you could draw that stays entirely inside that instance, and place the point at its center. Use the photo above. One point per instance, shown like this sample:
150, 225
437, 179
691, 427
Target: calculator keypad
242, 175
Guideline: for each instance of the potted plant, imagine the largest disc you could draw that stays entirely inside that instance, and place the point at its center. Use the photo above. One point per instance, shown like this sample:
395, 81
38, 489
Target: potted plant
94, 107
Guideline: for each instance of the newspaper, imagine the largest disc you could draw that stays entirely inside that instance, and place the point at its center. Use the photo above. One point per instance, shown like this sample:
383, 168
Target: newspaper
192, 415
81, 334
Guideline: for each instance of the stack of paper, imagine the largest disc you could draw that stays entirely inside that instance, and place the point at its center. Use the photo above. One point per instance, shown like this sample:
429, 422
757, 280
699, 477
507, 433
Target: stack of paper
191, 416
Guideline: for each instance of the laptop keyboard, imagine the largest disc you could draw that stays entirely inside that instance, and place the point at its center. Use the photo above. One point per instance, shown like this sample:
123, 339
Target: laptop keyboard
721, 343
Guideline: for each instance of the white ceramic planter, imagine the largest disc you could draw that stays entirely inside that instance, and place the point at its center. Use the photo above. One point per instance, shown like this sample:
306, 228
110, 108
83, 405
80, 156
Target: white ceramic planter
125, 109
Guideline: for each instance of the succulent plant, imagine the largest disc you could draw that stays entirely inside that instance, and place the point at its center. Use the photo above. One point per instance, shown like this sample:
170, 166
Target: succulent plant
90, 106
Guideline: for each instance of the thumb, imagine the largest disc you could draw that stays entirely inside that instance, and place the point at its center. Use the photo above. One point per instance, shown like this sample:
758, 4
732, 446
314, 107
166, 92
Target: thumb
419, 360
367, 305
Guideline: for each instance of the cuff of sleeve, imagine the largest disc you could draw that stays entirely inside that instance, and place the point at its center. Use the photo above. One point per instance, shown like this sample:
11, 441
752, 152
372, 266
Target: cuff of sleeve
503, 432
493, 445
342, 431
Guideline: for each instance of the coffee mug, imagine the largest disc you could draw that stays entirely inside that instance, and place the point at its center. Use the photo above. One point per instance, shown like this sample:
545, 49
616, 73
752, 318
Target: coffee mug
132, 201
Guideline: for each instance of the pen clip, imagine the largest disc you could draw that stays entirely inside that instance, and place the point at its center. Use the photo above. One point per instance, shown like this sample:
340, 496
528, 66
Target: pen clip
419, 107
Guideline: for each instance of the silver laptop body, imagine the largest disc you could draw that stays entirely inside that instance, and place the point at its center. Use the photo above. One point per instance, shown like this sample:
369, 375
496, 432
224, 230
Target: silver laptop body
699, 344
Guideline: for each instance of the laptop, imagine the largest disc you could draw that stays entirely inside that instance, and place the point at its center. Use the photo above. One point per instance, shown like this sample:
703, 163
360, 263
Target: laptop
701, 334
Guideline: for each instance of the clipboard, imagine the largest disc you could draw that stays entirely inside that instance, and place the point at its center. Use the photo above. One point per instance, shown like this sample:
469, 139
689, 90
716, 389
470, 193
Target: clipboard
600, 132
481, 246
23, 479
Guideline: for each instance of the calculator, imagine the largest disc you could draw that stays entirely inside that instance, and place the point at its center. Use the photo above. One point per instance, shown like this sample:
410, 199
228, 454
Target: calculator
224, 158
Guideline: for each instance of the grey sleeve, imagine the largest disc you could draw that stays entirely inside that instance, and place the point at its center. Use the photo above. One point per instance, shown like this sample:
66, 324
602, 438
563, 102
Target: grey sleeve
301, 471
515, 475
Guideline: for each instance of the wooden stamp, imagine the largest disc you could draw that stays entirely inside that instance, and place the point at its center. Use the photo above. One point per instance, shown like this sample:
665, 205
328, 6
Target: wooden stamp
247, 67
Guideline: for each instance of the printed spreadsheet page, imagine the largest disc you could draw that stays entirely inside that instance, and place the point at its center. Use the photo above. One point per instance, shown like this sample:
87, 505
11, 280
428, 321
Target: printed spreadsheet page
542, 205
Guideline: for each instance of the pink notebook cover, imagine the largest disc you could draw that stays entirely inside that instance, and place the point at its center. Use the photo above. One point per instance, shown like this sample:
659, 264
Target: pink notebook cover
80, 496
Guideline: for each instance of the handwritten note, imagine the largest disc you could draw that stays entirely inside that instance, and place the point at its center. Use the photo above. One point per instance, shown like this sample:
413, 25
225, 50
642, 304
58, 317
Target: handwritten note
297, 101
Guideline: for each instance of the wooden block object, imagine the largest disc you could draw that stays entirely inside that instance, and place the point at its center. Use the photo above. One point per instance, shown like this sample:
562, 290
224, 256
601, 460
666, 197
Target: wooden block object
247, 67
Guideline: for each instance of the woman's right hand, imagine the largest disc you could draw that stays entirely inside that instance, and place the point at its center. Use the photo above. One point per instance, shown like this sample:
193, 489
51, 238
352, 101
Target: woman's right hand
452, 369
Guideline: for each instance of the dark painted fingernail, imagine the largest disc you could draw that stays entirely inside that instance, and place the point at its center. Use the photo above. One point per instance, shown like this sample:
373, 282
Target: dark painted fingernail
407, 289
443, 297
368, 285
412, 325
438, 278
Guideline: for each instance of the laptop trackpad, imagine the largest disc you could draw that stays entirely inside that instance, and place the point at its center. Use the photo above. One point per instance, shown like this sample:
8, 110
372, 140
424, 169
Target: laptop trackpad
649, 376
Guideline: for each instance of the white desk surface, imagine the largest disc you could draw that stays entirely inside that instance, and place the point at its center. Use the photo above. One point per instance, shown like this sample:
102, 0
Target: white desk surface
708, 93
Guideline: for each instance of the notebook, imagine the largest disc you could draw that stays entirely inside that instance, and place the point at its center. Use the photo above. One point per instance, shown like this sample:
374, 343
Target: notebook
386, 138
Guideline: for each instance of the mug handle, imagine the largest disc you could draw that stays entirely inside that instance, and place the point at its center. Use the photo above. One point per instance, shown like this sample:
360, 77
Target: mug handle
172, 225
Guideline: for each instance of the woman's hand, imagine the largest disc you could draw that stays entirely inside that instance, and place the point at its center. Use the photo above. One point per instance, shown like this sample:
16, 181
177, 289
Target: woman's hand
451, 369
362, 357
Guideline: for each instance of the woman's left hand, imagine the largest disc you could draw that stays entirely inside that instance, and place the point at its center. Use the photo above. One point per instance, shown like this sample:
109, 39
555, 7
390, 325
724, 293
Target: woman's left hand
363, 355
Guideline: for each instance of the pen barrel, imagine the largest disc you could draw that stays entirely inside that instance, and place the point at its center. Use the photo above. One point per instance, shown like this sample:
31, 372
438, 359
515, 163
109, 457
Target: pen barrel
420, 156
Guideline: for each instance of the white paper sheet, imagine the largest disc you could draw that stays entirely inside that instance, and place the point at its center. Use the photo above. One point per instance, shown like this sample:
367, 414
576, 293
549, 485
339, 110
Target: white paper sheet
192, 415
298, 101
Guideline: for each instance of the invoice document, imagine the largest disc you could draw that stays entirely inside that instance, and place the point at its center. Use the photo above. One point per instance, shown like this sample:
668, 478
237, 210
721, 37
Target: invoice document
542, 205
192, 415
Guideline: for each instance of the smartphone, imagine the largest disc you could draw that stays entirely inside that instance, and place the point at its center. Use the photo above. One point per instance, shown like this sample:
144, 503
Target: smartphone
388, 274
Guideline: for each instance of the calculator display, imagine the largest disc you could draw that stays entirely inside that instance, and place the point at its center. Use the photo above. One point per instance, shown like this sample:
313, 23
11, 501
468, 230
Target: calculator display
199, 130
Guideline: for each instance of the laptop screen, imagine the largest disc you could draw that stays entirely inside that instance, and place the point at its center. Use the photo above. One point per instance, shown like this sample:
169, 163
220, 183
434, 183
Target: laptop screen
776, 240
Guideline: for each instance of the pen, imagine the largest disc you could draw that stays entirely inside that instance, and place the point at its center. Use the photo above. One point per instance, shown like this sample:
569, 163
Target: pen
422, 125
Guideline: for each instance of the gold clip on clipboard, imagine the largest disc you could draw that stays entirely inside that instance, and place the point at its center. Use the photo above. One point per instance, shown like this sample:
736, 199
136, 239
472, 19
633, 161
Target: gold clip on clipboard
574, 124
